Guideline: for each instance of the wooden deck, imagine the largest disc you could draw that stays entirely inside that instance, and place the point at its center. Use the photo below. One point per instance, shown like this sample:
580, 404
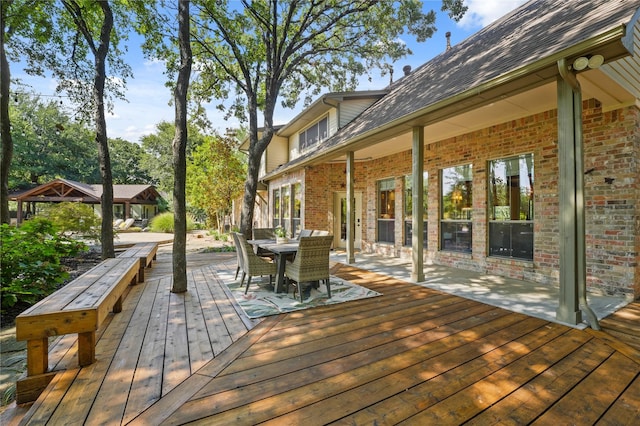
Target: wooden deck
413, 355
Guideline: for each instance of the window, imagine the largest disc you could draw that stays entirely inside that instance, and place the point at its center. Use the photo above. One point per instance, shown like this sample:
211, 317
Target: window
297, 208
285, 211
408, 209
456, 201
287, 208
386, 211
276, 208
511, 207
314, 134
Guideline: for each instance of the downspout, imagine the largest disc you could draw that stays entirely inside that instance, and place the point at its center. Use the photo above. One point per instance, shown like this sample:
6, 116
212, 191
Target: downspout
570, 78
336, 106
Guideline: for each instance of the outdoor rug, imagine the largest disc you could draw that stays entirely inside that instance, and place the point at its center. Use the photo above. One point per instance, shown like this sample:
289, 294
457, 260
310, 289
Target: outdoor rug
261, 301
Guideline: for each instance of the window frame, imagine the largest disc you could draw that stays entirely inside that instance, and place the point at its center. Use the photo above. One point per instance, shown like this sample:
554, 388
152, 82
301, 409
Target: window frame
276, 207
511, 208
296, 208
285, 213
313, 131
385, 226
456, 223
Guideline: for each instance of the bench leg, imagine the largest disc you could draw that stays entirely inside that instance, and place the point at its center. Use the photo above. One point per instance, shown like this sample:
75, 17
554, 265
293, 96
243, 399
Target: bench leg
117, 307
141, 273
37, 356
86, 348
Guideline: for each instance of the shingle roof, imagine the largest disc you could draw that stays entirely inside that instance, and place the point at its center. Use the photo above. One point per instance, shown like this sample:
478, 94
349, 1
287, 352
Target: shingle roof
120, 192
539, 29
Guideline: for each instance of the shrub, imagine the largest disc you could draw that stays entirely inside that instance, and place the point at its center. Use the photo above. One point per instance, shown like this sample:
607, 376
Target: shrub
216, 234
164, 223
74, 219
30, 257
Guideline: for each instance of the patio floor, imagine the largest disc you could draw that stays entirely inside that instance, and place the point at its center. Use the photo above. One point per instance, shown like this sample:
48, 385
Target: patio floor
415, 355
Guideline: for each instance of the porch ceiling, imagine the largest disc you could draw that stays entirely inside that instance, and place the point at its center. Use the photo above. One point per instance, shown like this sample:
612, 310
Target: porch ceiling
595, 84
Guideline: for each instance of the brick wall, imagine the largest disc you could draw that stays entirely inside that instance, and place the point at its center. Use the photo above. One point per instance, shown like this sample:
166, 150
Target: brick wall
612, 195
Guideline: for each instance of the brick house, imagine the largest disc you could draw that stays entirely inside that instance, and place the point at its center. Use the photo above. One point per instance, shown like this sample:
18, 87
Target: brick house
514, 153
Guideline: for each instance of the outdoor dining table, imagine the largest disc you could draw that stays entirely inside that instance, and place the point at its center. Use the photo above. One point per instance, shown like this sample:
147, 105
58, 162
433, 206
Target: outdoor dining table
282, 251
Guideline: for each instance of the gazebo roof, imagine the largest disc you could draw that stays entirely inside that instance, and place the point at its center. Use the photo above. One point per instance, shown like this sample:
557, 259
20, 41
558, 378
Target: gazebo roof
60, 190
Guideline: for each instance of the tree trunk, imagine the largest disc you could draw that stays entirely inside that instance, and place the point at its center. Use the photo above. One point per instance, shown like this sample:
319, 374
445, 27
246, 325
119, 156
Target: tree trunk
179, 152
5, 125
249, 198
106, 234
256, 149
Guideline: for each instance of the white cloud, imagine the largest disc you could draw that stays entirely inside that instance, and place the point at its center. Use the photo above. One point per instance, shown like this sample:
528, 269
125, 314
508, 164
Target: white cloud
483, 12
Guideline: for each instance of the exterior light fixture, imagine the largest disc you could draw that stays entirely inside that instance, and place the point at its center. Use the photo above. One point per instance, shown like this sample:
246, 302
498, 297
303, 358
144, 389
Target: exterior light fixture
596, 61
591, 62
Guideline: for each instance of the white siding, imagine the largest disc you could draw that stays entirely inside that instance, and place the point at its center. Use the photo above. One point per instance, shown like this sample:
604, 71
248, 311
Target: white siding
276, 153
294, 151
333, 121
350, 109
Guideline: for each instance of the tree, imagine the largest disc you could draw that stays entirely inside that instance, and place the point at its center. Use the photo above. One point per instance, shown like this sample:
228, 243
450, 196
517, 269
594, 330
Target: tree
180, 151
256, 52
85, 40
126, 160
157, 146
215, 177
5, 123
20, 22
94, 24
48, 144
159, 153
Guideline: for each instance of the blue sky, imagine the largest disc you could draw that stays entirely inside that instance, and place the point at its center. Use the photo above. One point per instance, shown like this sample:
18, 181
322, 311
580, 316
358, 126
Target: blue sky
148, 98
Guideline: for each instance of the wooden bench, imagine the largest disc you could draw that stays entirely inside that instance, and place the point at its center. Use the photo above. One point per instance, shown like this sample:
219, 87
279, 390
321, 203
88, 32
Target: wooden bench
146, 252
79, 307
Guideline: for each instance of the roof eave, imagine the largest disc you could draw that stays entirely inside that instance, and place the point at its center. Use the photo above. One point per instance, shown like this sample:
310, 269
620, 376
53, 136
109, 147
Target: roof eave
322, 105
529, 76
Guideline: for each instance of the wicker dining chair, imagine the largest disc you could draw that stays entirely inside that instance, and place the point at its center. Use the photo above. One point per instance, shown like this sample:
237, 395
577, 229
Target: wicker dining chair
264, 234
304, 233
311, 263
236, 241
252, 264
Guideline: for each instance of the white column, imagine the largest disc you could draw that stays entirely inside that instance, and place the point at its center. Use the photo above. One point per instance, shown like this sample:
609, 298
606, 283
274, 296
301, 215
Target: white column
572, 250
417, 193
351, 214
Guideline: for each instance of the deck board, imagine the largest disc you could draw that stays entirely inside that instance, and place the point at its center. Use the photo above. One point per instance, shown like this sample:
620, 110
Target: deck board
146, 383
176, 350
412, 355
200, 349
624, 325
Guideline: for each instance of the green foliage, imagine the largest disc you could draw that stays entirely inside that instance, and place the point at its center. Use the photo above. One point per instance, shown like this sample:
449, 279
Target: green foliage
261, 53
288, 50
48, 144
280, 232
158, 147
30, 257
164, 223
126, 160
74, 219
219, 236
215, 177
222, 249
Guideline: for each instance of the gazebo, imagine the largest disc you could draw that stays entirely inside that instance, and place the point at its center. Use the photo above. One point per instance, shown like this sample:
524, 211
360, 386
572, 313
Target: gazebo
129, 201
